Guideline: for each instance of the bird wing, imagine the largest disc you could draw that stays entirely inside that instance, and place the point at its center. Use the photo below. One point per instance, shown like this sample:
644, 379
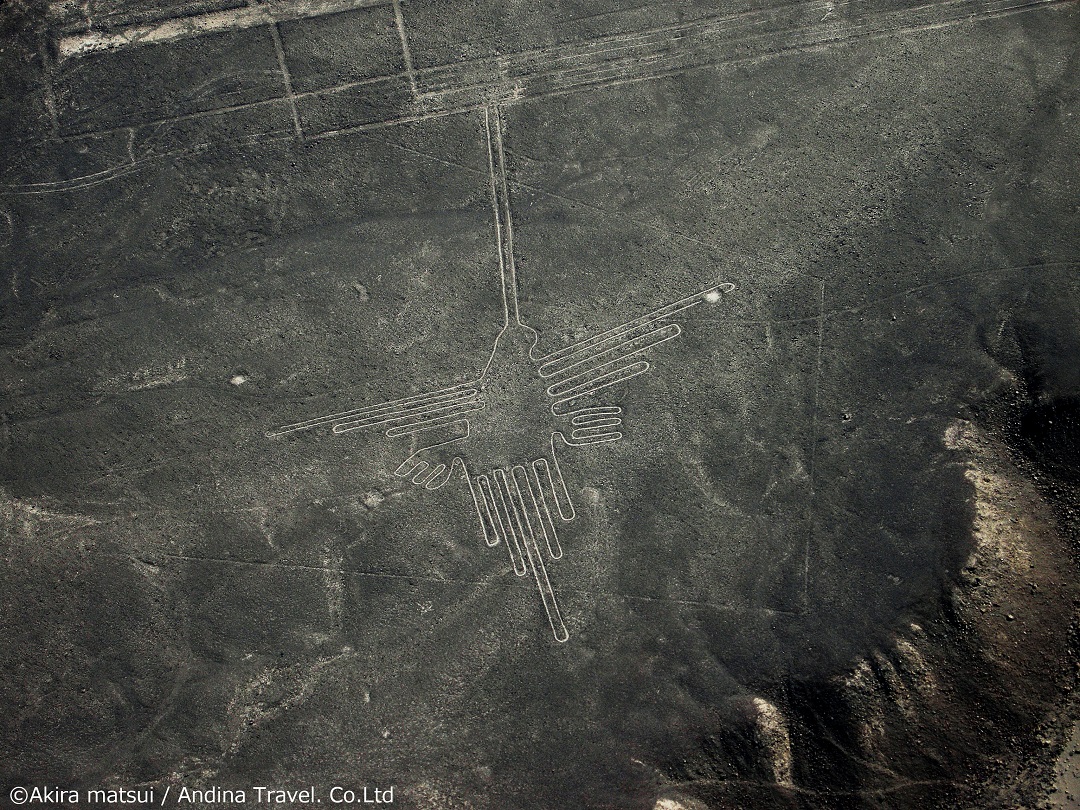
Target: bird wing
577, 372
399, 417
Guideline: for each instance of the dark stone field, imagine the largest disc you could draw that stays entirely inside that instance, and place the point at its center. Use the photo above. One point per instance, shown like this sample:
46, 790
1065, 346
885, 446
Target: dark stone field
540, 406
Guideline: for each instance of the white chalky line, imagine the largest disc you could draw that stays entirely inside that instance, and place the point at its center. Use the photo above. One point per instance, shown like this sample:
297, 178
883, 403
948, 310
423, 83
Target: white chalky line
536, 563
510, 521
210, 22
512, 503
627, 344
397, 408
583, 423
619, 334
486, 514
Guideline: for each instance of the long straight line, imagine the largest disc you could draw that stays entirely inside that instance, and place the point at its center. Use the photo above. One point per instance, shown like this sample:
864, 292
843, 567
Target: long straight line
605, 42
399, 18
700, 59
507, 245
619, 74
485, 583
325, 569
393, 122
814, 439
170, 29
286, 78
498, 217
634, 50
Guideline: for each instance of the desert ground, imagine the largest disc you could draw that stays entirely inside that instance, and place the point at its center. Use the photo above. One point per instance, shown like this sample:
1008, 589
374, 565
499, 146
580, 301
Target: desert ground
550, 405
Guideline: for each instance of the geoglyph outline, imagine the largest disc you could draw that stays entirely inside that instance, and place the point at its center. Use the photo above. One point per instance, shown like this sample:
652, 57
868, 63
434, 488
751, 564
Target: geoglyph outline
511, 500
